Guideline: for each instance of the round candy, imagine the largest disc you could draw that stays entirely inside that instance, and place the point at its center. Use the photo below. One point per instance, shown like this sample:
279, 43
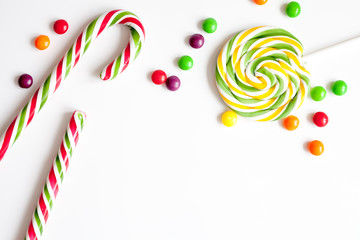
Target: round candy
259, 74
316, 147
291, 122
173, 83
185, 62
196, 41
158, 77
320, 119
25, 81
61, 26
339, 87
42, 42
318, 93
210, 25
293, 9
260, 2
229, 118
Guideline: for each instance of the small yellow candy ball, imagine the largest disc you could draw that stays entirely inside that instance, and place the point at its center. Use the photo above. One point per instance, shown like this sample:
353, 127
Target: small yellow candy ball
229, 118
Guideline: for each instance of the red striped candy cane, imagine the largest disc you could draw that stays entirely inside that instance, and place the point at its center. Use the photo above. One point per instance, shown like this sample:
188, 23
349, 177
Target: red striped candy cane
56, 176
69, 61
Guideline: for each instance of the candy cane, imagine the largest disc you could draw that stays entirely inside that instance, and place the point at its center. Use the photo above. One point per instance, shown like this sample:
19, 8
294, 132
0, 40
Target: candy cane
69, 61
56, 176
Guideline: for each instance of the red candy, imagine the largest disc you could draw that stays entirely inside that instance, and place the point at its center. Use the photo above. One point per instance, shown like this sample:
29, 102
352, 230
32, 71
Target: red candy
158, 77
320, 119
61, 26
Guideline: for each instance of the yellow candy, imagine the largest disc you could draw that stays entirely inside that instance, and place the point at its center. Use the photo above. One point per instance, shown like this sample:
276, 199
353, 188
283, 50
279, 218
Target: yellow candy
229, 118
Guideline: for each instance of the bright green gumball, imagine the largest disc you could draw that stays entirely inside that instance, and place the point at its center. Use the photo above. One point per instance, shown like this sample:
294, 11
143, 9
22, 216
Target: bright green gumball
318, 93
293, 9
185, 62
210, 25
339, 88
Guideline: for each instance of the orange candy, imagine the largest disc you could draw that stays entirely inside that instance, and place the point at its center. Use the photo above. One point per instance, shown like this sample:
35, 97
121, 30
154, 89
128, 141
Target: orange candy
316, 147
42, 42
260, 2
291, 123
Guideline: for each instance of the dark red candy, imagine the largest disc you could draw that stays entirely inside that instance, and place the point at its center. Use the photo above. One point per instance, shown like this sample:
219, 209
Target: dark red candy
25, 81
196, 41
320, 119
173, 83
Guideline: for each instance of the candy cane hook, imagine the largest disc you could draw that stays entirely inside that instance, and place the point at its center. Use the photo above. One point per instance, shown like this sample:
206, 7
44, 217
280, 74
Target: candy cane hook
69, 61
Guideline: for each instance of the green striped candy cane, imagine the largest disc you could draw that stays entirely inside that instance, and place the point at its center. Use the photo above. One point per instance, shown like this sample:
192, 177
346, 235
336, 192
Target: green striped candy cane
56, 176
69, 61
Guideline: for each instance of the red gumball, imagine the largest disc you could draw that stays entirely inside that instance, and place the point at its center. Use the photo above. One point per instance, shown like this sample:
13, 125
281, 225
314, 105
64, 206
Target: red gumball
320, 119
158, 77
61, 26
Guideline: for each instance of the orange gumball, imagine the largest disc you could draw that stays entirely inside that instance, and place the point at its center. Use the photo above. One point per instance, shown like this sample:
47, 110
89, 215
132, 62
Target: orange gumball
42, 42
291, 123
260, 2
316, 147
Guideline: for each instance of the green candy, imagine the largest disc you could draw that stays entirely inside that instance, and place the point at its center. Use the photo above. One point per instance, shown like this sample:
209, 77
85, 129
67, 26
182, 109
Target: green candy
185, 62
318, 93
339, 88
293, 9
210, 25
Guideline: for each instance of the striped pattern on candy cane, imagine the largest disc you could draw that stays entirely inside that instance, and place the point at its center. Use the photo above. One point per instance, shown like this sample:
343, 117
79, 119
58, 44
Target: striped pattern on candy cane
259, 73
56, 176
69, 61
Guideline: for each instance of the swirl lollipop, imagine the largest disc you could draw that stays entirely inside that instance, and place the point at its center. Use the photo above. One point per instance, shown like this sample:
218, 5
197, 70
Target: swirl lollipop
259, 74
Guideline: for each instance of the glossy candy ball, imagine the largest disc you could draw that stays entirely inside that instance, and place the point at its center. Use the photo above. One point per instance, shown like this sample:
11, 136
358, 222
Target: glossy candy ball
196, 41
291, 123
173, 83
42, 42
320, 119
158, 77
185, 62
293, 9
209, 25
25, 81
339, 88
316, 147
229, 118
260, 2
61, 26
318, 93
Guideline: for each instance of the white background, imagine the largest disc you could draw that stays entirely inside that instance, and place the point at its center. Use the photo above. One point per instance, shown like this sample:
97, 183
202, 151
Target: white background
155, 164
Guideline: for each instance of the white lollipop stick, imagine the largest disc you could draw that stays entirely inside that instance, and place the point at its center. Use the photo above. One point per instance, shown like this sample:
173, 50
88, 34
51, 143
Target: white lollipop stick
355, 41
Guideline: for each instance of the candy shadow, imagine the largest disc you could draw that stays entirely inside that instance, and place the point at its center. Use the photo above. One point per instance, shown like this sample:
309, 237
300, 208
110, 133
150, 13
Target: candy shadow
211, 67
283, 8
39, 186
309, 117
175, 62
306, 146
200, 25
187, 39
32, 42
329, 86
219, 118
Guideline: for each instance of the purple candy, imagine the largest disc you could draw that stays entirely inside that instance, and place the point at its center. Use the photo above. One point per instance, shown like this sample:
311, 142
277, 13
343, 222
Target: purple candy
196, 41
25, 81
173, 83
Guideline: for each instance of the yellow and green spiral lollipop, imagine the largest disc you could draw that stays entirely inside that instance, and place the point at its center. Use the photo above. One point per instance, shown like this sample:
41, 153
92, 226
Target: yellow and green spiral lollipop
259, 73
